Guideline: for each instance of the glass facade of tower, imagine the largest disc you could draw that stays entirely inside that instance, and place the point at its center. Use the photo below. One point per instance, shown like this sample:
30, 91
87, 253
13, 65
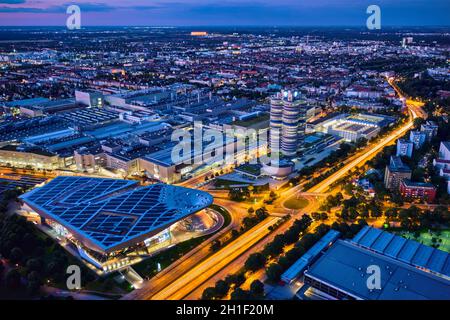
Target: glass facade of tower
287, 122
276, 124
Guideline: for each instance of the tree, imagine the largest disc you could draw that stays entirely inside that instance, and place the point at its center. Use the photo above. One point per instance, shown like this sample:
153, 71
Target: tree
274, 272
249, 222
257, 288
272, 195
275, 247
12, 279
391, 213
418, 122
375, 210
443, 213
34, 282
348, 189
361, 142
291, 235
418, 174
238, 194
353, 213
397, 198
255, 261
261, 213
222, 288
237, 279
294, 254
34, 264
215, 245
209, 293
250, 210
239, 294
16, 255
315, 215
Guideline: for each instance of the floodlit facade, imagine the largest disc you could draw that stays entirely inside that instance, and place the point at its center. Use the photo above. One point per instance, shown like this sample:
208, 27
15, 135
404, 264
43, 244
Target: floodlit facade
354, 127
18, 157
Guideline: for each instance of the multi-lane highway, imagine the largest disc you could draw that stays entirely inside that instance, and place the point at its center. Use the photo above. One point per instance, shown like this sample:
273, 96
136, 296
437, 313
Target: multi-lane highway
195, 277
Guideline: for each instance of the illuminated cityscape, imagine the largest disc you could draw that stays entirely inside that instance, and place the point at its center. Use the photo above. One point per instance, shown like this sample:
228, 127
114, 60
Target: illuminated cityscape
223, 162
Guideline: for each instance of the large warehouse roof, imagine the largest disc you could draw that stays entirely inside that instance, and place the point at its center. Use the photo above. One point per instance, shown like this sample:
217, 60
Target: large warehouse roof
344, 266
110, 214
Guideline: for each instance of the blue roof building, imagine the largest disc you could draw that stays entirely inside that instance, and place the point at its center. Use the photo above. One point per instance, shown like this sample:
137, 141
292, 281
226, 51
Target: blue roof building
309, 257
408, 269
105, 216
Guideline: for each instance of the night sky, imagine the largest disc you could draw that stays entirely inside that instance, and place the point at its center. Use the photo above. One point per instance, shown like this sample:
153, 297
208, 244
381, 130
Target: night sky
225, 12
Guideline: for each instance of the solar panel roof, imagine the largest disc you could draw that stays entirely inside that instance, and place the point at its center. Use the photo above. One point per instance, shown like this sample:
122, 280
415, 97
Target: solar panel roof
109, 213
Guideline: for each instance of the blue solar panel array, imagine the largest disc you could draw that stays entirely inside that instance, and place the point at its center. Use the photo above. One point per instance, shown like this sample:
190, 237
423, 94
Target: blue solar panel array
408, 251
111, 211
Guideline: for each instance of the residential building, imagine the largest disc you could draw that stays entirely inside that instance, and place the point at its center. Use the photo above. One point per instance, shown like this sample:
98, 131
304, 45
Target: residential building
404, 148
418, 138
430, 128
395, 172
417, 190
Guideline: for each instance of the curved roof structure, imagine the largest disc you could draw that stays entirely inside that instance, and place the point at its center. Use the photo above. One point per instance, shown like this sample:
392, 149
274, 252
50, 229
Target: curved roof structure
109, 214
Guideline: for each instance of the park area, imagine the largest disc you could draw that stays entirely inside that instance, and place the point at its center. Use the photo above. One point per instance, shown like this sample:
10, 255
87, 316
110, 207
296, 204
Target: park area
296, 203
439, 239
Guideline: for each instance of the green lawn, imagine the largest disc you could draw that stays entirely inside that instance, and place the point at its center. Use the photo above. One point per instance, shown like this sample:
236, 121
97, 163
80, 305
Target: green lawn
294, 203
443, 239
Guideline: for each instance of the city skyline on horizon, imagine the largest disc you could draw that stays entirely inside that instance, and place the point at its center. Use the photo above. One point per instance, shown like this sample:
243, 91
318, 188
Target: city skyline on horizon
226, 13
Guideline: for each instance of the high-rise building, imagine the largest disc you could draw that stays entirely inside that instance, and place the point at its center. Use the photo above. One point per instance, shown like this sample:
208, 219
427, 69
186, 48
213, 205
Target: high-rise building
430, 128
418, 138
404, 148
288, 115
395, 172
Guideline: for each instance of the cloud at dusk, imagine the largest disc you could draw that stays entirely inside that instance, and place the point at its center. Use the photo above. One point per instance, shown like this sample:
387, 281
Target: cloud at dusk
227, 12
